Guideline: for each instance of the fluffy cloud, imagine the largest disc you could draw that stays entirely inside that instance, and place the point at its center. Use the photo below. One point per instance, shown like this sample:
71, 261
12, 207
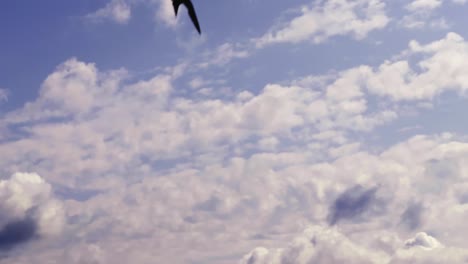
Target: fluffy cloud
316, 245
28, 210
371, 231
118, 11
164, 12
421, 14
102, 120
210, 206
178, 178
72, 90
420, 5
3, 95
441, 69
224, 54
328, 245
327, 19
353, 202
423, 4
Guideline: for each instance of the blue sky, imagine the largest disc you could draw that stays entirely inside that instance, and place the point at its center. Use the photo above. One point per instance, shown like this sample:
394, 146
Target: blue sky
298, 131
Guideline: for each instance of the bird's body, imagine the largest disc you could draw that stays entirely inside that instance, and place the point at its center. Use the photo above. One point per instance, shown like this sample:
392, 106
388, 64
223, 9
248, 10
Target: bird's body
191, 11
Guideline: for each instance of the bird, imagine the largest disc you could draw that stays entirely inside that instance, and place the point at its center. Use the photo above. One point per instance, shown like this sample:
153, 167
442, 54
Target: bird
190, 9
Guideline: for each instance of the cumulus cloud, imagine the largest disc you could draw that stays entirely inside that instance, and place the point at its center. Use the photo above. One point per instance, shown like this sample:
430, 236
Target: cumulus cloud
440, 70
352, 203
316, 245
70, 91
413, 216
417, 5
428, 5
422, 14
118, 11
17, 232
326, 19
28, 210
3, 95
167, 125
179, 173
164, 12
422, 240
223, 54
380, 236
328, 245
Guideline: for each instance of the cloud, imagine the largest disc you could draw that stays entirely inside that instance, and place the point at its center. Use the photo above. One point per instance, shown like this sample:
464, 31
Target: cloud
223, 54
422, 240
103, 120
353, 202
413, 216
118, 11
164, 12
316, 245
417, 5
327, 19
70, 91
28, 210
177, 172
3, 95
329, 245
279, 190
17, 232
441, 69
422, 14
429, 5
380, 235
424, 248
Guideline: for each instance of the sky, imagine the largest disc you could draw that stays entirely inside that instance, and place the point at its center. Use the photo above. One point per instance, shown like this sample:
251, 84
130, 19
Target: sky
298, 132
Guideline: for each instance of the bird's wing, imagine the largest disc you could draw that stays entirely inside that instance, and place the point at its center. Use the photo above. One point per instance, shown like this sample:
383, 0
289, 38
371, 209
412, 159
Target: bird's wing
176, 5
192, 14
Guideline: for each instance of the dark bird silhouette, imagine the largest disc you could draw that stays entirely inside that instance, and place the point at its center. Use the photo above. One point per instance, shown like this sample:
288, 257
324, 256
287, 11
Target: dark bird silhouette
191, 11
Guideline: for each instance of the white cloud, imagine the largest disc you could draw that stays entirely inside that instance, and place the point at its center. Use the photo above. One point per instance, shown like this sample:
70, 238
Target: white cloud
111, 122
27, 197
316, 245
182, 177
424, 248
3, 95
164, 12
429, 5
417, 5
422, 240
441, 69
327, 245
223, 54
422, 12
207, 205
71, 90
118, 11
327, 19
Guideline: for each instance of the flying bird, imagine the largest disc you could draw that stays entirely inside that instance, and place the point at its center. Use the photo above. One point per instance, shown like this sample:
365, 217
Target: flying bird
191, 11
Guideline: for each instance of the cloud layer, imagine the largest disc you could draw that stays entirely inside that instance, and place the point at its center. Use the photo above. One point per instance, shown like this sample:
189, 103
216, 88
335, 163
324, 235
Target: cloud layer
28, 210
180, 167
326, 19
328, 245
